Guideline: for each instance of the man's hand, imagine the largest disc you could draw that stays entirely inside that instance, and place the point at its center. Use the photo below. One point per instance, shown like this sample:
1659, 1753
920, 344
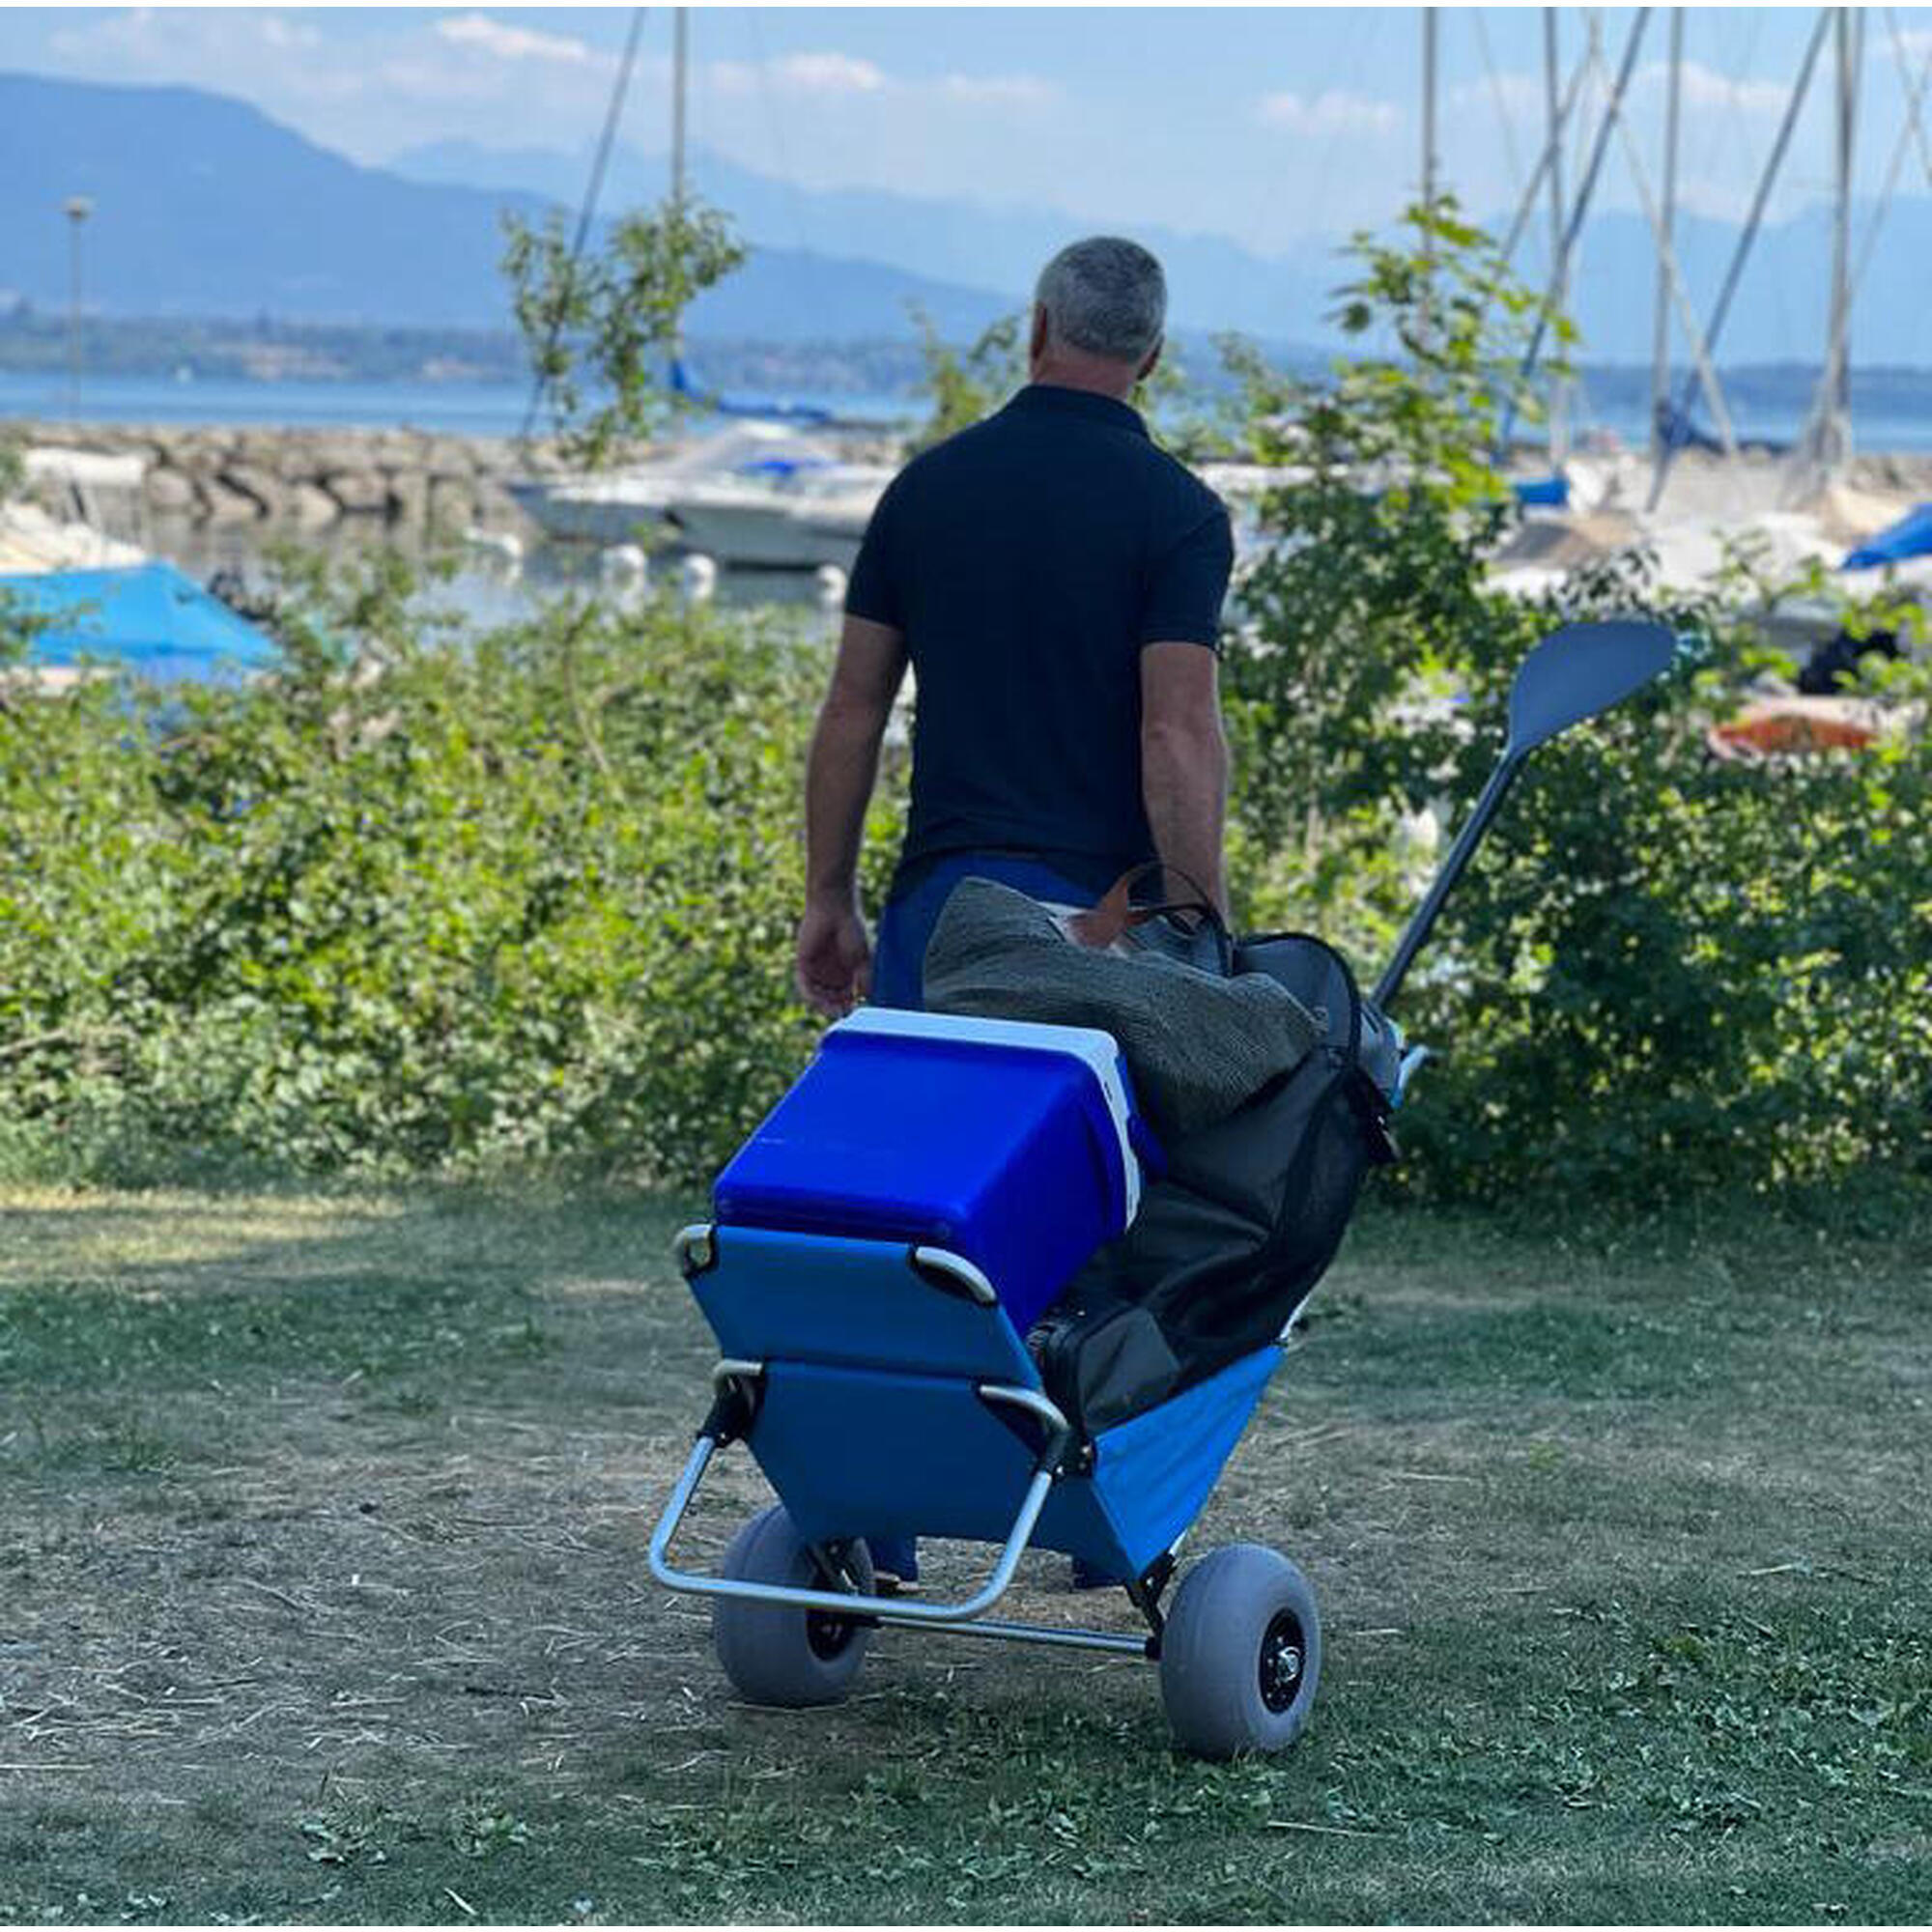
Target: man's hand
835, 956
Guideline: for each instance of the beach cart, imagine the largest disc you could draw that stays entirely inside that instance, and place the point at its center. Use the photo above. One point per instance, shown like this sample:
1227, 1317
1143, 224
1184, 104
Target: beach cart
880, 1250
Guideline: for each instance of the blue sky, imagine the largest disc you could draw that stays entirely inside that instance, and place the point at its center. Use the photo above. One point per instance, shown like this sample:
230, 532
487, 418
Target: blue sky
1201, 119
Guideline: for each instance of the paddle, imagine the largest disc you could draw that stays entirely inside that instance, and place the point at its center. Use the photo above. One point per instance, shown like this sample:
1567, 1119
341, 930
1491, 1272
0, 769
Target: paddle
1572, 674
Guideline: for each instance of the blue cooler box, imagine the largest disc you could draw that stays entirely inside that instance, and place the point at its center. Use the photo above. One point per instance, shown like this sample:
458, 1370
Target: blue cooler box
1012, 1144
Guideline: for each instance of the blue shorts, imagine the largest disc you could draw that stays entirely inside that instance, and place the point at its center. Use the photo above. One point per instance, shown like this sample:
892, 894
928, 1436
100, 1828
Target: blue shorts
905, 926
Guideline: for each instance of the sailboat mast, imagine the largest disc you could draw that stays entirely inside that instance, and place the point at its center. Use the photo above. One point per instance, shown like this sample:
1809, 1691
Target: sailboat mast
681, 71
1839, 368
1660, 362
1427, 159
1559, 273
1429, 54
1828, 433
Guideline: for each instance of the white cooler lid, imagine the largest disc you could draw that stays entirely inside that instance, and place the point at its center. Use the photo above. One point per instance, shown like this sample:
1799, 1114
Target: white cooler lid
1101, 1052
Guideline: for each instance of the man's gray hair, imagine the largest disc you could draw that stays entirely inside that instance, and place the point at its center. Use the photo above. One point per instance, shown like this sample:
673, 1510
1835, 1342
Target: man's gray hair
1106, 296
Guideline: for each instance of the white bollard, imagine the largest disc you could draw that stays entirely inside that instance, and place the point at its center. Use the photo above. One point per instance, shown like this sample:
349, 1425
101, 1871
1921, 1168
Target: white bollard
698, 575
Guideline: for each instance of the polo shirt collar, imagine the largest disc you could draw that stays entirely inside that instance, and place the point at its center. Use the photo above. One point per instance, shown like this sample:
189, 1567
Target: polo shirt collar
1053, 397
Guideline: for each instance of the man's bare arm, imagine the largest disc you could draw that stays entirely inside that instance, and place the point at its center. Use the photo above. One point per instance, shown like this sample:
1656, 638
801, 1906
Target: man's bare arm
1184, 763
834, 956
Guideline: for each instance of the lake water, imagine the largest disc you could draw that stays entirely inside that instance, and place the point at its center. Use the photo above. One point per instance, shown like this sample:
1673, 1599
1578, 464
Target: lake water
1892, 407
449, 409
1892, 412
484, 589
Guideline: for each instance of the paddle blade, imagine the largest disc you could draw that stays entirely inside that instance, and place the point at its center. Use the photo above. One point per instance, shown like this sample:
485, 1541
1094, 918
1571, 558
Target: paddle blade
1579, 671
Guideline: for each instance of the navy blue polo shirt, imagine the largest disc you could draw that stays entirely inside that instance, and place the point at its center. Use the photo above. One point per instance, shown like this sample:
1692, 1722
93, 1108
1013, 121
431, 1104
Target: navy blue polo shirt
1027, 561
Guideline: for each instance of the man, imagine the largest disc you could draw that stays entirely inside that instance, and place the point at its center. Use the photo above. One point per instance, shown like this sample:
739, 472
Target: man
1056, 583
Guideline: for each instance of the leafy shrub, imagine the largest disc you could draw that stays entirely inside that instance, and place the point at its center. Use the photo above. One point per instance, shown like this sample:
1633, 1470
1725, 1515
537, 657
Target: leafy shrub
601, 322
1666, 970
409, 906
430, 903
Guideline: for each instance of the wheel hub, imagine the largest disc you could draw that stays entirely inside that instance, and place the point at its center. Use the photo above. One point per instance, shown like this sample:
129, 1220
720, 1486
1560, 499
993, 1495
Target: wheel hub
1284, 1652
827, 1632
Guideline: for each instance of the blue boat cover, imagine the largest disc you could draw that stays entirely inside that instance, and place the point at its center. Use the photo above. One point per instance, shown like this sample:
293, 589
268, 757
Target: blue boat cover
1910, 536
682, 384
1542, 493
149, 617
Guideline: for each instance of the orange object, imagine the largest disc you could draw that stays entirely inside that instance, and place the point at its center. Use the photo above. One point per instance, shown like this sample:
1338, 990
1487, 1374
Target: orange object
1788, 726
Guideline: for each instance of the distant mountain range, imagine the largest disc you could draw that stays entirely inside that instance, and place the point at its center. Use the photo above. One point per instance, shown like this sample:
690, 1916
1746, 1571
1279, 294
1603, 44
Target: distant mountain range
1216, 284
204, 206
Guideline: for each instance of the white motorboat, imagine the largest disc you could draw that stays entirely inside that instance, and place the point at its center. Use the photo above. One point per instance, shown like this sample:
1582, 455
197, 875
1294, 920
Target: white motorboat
32, 543
749, 458
798, 521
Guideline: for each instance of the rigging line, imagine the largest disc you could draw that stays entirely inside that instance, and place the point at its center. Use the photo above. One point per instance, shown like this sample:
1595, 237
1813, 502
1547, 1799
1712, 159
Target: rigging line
1915, 96
1585, 190
1687, 314
1593, 49
1504, 118
1913, 116
1742, 252
588, 213
1728, 133
762, 63
1527, 207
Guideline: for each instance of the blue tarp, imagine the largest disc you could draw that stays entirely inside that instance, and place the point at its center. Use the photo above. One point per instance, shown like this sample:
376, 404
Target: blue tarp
1543, 492
1910, 536
148, 617
682, 384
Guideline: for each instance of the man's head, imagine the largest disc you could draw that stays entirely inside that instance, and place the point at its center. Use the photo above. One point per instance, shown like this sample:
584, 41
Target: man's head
1098, 316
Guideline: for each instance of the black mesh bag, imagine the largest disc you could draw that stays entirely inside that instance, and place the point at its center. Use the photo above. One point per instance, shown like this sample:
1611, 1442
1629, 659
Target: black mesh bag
1232, 1240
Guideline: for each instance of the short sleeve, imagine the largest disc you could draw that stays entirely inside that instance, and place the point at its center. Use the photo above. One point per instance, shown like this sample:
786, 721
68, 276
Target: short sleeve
872, 591
1186, 584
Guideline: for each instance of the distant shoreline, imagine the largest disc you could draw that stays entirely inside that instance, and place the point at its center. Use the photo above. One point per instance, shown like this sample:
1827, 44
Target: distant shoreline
1898, 422
298, 478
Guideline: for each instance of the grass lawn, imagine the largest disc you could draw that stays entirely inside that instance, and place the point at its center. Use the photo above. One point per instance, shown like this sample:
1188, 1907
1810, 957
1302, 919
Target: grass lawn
322, 1596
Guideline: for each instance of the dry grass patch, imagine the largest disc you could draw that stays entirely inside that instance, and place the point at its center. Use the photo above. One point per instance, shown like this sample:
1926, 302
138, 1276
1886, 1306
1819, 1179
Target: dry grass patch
322, 1596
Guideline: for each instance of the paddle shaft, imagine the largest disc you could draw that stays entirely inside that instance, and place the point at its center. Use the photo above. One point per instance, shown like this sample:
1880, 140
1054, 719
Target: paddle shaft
1460, 854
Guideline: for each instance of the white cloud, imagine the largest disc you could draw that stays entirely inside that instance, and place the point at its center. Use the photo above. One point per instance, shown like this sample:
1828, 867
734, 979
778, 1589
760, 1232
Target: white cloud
146, 36
805, 73
278, 32
826, 73
1000, 90
1334, 111
1706, 87
508, 42
1519, 94
832, 74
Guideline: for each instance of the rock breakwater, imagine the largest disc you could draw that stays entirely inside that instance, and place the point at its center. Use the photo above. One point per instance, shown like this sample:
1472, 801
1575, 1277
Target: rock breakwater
306, 479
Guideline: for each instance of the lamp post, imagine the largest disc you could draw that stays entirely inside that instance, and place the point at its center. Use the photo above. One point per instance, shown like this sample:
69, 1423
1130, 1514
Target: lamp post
77, 208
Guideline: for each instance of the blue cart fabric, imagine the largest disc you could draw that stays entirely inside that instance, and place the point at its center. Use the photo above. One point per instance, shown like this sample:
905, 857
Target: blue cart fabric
821, 1298
872, 1421
1008, 1143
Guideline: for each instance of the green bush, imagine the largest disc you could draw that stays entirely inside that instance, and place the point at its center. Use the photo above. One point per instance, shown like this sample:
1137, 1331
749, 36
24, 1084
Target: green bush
422, 902
1667, 970
410, 905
